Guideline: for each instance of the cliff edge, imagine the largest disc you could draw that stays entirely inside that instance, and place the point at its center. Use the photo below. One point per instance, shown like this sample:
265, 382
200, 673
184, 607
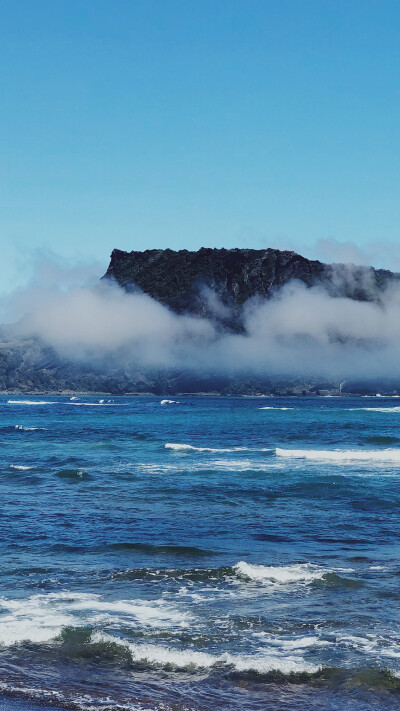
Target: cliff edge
183, 280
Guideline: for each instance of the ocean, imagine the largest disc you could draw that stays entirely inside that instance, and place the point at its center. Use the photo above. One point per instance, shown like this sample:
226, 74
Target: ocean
199, 553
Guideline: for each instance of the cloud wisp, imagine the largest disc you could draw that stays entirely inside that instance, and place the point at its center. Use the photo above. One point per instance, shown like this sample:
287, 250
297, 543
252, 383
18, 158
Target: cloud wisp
299, 331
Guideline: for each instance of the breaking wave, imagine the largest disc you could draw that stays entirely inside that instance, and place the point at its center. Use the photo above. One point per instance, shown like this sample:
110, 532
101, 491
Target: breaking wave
31, 402
276, 408
189, 659
387, 456
21, 467
190, 448
43, 617
296, 573
377, 409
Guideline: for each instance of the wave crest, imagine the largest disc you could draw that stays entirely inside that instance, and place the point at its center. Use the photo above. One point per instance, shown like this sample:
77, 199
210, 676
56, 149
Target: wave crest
296, 573
388, 456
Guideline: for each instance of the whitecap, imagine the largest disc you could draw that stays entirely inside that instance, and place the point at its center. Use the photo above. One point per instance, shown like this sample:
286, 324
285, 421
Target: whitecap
35, 619
42, 617
266, 663
276, 408
153, 614
286, 574
371, 643
292, 643
31, 402
190, 658
387, 456
20, 467
376, 409
190, 448
169, 402
385, 396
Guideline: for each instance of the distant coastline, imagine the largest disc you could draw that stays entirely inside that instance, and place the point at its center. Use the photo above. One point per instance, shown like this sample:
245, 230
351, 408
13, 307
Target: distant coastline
212, 322
255, 396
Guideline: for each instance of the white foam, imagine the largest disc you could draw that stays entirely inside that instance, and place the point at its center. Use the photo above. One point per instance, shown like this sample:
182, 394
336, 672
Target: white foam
191, 448
157, 468
31, 402
387, 456
385, 396
297, 573
371, 644
276, 408
234, 464
293, 643
41, 618
169, 402
154, 614
263, 664
164, 656
189, 658
376, 409
21, 467
382, 409
35, 619
214, 450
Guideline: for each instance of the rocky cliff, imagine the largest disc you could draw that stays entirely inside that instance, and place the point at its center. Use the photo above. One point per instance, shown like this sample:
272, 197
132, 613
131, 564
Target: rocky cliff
185, 280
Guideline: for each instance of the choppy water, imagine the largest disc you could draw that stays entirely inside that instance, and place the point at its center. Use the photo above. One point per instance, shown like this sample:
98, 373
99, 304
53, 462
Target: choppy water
204, 554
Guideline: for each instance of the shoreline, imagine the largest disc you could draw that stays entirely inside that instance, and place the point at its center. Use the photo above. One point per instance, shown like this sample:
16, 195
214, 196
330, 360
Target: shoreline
95, 393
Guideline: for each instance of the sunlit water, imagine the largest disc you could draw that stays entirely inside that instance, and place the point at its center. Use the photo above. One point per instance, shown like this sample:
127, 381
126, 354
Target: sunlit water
199, 553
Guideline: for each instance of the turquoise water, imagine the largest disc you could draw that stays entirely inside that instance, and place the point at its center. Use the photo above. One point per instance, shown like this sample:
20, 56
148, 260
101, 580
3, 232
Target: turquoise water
199, 553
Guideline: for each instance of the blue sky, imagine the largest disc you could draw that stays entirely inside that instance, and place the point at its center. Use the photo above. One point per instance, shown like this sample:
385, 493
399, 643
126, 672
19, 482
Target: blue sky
166, 123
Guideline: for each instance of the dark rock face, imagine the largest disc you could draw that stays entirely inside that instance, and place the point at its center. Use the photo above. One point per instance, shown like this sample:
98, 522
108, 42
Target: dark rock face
178, 279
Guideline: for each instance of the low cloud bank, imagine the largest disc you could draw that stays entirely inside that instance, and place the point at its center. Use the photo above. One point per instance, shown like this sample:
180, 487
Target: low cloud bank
299, 331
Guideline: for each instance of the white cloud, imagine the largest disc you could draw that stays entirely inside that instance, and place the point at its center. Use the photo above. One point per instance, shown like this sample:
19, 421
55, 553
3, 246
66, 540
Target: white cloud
300, 331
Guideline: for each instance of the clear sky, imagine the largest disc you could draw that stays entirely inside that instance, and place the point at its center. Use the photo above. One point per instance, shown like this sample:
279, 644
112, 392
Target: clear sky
169, 123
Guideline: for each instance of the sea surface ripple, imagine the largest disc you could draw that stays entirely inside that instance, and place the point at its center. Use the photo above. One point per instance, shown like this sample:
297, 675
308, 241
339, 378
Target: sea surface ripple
199, 553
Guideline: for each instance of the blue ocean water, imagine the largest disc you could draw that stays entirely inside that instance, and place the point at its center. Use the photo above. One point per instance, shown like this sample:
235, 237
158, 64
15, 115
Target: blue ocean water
199, 553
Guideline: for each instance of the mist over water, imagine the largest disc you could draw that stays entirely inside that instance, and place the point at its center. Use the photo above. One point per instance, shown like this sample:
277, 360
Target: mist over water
298, 331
